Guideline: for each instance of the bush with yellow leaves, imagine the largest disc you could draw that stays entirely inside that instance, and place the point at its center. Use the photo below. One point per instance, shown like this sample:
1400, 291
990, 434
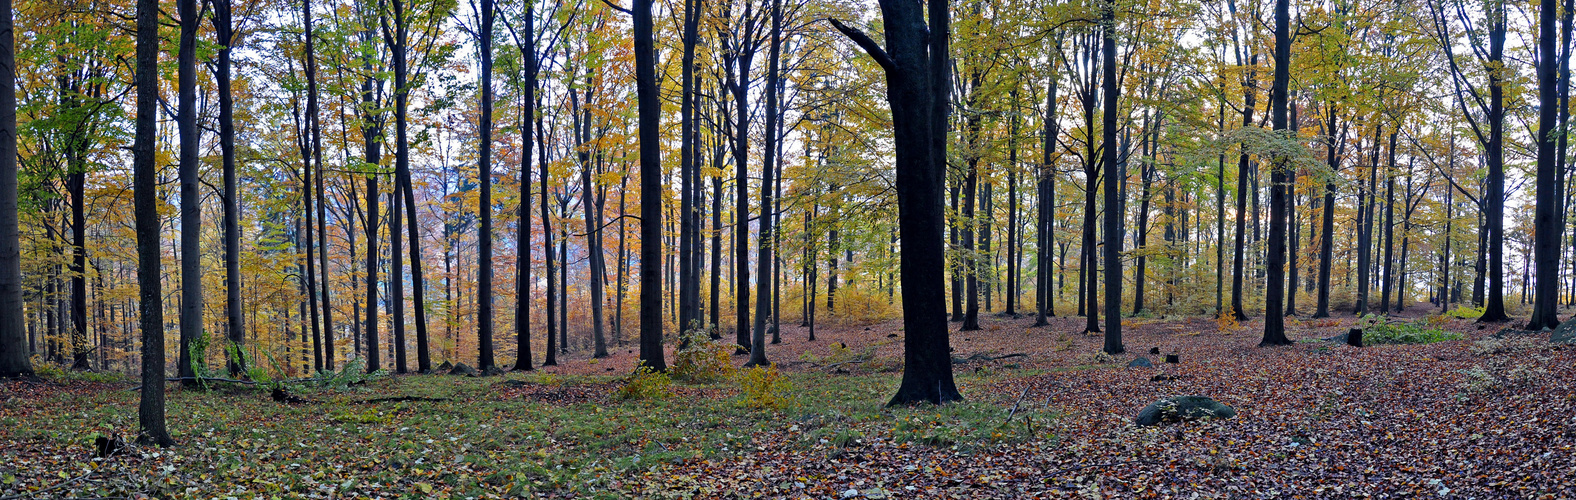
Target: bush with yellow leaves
763, 388
701, 360
645, 383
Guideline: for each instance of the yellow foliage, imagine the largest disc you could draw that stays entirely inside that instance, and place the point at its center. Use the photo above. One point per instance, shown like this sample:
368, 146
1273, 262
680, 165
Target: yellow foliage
763, 388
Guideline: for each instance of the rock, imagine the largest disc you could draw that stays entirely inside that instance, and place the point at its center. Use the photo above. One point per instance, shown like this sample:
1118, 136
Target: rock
446, 366
1172, 359
1140, 362
464, 369
1565, 334
1162, 377
493, 370
1183, 408
1354, 337
1154, 350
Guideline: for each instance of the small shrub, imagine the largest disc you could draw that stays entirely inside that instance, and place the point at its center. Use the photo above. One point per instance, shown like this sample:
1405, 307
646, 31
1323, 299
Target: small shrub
1098, 358
645, 383
1227, 321
763, 388
702, 360
1379, 330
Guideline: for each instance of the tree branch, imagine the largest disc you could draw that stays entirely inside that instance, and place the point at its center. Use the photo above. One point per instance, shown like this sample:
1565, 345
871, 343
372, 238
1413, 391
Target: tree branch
864, 41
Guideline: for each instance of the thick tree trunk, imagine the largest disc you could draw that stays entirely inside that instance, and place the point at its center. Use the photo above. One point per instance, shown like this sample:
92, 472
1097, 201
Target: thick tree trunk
191, 197
650, 113
522, 286
14, 353
150, 411
918, 91
1546, 231
1494, 195
484, 265
1115, 173
1280, 179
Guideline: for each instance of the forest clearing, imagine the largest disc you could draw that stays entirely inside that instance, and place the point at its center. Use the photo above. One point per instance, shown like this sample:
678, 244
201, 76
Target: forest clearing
825, 249
1476, 417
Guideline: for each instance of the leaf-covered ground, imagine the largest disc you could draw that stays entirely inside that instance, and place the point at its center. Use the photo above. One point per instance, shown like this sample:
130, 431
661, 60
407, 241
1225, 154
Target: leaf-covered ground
1485, 416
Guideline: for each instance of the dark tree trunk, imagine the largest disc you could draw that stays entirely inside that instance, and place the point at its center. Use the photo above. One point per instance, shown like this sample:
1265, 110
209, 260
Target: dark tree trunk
1295, 246
1389, 231
224, 33
764, 259
1244, 171
14, 353
548, 251
918, 90
1546, 231
150, 411
1114, 174
374, 158
1045, 223
650, 112
484, 266
1280, 179
526, 42
1327, 218
191, 206
689, 237
1494, 195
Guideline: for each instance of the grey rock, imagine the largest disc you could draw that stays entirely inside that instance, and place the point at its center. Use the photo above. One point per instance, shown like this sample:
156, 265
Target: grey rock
464, 369
1140, 362
1181, 409
1565, 333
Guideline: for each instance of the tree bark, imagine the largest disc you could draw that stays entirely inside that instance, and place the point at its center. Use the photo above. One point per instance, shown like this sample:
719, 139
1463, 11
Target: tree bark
191, 207
150, 410
15, 345
650, 115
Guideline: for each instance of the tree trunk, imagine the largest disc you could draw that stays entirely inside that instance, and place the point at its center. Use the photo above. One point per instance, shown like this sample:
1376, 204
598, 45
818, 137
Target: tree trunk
191, 197
235, 323
1546, 231
650, 113
1327, 218
918, 91
1114, 174
1280, 178
763, 258
522, 284
484, 266
1494, 195
150, 411
14, 353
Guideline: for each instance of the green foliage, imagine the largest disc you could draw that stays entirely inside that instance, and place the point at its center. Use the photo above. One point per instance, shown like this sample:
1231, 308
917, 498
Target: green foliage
353, 372
763, 388
645, 384
702, 360
1380, 330
1465, 312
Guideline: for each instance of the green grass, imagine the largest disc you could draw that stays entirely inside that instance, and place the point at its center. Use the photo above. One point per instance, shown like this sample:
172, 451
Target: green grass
481, 442
1378, 330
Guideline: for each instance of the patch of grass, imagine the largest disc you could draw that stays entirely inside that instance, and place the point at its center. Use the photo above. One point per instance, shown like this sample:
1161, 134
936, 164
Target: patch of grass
485, 441
1379, 330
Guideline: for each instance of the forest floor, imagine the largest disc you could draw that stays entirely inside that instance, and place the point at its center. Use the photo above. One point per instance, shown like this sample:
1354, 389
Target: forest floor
1485, 415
